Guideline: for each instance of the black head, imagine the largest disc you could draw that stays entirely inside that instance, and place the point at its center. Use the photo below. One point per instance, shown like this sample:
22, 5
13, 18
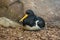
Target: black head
30, 12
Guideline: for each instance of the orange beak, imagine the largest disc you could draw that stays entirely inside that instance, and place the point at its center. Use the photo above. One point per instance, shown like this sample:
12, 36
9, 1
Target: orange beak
25, 16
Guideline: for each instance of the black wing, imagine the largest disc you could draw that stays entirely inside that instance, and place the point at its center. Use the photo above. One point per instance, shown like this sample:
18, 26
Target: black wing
41, 22
29, 21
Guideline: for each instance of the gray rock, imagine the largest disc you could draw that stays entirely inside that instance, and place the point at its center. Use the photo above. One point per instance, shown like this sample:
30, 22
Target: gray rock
8, 23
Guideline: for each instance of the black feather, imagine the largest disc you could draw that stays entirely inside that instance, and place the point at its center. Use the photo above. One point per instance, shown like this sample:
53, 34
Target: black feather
41, 22
29, 21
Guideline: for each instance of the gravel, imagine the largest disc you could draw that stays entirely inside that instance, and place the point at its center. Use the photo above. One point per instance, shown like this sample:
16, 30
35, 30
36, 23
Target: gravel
50, 32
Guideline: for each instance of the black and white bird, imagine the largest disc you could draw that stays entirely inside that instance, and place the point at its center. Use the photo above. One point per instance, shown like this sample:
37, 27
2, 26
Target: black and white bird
31, 22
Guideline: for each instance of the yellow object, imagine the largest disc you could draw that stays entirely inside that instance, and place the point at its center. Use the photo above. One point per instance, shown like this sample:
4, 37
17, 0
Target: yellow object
25, 16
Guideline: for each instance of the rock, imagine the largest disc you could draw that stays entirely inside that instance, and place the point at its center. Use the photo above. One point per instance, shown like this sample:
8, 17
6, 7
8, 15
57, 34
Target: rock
8, 23
49, 10
6, 3
11, 9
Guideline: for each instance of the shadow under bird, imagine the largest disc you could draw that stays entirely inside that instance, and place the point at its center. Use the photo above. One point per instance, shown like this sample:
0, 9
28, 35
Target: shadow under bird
32, 22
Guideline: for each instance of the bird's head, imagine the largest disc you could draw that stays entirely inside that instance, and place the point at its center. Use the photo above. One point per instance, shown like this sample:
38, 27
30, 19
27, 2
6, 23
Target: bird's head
28, 13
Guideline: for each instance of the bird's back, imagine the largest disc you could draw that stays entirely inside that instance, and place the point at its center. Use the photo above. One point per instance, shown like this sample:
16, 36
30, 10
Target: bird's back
41, 22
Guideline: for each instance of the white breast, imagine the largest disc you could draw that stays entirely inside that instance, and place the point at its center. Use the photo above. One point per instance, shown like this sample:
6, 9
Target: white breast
36, 27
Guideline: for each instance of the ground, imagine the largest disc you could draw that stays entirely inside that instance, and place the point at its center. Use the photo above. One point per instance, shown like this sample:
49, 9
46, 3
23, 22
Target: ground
50, 32
49, 10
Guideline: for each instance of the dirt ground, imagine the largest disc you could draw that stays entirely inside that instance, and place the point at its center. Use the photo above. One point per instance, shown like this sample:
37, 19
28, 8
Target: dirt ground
50, 32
